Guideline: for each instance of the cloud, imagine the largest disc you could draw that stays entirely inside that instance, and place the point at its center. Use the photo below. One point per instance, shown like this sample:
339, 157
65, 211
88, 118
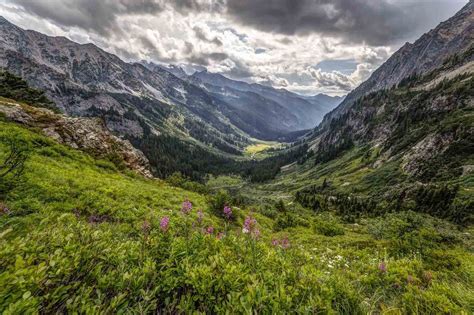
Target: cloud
93, 15
203, 34
274, 42
374, 22
332, 79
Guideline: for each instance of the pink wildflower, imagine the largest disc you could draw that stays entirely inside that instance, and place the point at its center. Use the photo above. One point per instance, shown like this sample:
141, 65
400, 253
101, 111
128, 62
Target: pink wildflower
383, 267
186, 207
200, 216
228, 212
164, 224
285, 243
249, 225
275, 242
256, 233
220, 235
210, 230
4, 209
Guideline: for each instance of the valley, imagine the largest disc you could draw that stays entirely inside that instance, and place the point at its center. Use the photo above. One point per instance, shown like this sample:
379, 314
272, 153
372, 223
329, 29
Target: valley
134, 187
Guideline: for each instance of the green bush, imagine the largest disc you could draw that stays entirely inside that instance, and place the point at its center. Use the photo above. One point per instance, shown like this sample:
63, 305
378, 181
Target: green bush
218, 201
15, 150
411, 232
328, 225
289, 220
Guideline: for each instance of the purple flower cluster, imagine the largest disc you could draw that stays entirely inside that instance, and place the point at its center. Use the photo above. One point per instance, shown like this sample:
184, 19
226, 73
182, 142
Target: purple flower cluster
250, 227
186, 207
4, 209
228, 212
283, 243
383, 267
164, 224
210, 230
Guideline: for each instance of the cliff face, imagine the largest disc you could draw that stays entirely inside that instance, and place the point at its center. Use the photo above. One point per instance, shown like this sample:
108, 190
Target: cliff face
415, 108
428, 53
86, 134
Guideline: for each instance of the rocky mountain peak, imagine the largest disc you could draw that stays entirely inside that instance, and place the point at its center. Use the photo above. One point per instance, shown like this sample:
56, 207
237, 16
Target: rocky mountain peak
424, 55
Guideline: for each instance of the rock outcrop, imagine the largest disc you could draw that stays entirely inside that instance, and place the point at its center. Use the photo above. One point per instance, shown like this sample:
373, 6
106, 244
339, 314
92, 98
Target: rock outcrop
86, 134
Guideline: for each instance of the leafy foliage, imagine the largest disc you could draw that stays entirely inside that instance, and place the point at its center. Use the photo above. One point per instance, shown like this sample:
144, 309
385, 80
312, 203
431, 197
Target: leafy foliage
13, 163
80, 236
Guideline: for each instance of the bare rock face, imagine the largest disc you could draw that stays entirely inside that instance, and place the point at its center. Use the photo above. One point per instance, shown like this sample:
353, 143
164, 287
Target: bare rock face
429, 147
424, 122
86, 134
454, 36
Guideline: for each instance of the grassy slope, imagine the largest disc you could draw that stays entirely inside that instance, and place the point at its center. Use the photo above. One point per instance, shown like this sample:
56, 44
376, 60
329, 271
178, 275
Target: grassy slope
354, 172
54, 258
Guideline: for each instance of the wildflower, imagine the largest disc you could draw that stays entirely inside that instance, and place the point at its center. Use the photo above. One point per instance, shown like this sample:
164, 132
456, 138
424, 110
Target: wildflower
285, 243
228, 212
249, 224
4, 209
200, 216
210, 230
164, 223
256, 233
146, 227
275, 242
220, 235
186, 207
383, 267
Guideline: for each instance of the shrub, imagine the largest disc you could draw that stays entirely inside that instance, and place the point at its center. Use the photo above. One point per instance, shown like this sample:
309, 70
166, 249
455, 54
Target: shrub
328, 225
12, 161
411, 232
218, 201
289, 220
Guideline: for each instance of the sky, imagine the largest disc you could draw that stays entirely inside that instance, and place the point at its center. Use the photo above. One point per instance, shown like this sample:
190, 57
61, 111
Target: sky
305, 46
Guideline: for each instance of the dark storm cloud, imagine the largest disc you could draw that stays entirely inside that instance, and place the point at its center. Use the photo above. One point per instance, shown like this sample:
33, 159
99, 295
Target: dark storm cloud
94, 15
374, 22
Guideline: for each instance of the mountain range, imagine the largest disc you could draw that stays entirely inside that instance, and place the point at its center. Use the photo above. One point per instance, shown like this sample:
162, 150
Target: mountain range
85, 80
166, 112
364, 116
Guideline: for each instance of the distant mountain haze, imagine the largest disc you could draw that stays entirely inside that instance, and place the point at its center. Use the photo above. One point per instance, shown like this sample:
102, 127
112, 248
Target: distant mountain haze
84, 80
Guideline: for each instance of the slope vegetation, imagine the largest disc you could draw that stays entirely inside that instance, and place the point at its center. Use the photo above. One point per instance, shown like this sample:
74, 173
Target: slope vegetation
78, 235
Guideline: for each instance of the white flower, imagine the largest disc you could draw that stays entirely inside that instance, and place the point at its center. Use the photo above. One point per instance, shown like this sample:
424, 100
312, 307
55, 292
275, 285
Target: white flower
245, 230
